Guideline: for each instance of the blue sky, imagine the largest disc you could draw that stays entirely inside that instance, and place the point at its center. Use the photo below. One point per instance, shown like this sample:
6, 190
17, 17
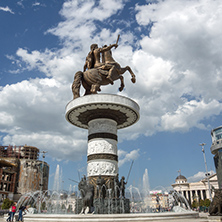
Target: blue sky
174, 48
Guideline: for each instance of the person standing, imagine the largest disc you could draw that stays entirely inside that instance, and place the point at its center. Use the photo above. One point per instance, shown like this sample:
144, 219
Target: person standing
21, 209
9, 214
13, 210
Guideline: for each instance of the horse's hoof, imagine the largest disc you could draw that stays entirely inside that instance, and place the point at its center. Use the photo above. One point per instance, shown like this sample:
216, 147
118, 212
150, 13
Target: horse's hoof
120, 89
133, 80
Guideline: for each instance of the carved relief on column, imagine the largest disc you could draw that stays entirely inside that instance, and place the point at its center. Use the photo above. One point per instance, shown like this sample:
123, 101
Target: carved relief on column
107, 168
102, 146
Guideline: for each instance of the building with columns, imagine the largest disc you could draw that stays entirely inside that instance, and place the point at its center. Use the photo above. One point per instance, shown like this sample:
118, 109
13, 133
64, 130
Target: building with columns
196, 190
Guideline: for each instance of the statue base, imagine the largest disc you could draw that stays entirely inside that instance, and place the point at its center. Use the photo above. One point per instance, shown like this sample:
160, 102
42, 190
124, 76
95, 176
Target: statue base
112, 206
102, 115
106, 206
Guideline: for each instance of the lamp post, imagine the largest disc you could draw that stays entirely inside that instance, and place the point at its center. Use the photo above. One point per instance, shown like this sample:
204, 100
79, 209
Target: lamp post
41, 184
205, 161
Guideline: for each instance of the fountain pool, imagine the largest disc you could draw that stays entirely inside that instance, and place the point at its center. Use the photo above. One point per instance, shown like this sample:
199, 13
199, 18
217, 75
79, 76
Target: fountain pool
58, 205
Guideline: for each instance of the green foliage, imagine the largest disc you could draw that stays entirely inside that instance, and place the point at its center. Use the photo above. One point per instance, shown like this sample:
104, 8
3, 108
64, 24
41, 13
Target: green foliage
194, 204
207, 202
201, 203
6, 204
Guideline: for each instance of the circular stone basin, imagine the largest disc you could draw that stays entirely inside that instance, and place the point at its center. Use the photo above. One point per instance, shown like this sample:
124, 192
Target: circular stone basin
190, 216
86, 108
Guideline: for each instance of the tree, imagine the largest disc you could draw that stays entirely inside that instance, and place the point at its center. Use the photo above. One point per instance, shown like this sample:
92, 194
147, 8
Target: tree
6, 204
194, 204
201, 203
207, 202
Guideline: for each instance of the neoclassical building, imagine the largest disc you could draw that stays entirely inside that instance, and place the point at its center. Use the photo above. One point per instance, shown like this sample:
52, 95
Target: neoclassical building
196, 190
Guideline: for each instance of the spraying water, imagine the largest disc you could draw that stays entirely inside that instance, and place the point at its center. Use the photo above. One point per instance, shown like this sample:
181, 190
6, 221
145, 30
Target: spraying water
146, 185
146, 191
57, 179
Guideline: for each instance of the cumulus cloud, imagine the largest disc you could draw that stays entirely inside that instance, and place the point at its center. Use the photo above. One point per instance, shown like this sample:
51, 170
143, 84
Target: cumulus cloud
182, 75
177, 65
198, 176
127, 157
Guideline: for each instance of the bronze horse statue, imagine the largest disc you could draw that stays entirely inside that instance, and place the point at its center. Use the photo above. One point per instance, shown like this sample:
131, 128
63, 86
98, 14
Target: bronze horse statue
100, 74
87, 192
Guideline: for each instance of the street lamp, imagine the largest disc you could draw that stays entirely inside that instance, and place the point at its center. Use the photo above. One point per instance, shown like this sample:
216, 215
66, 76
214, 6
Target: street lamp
202, 145
41, 185
43, 157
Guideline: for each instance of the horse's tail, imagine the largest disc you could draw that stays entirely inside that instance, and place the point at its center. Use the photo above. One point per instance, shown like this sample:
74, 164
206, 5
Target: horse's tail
76, 84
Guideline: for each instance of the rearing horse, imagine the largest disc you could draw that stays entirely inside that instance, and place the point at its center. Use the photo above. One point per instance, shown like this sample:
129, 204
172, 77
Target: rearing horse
93, 78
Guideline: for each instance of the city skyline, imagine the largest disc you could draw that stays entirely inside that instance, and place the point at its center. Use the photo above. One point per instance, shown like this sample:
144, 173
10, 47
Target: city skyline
173, 47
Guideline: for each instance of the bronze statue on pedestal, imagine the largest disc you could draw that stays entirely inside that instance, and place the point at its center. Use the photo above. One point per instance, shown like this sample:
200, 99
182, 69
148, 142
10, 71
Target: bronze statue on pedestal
96, 73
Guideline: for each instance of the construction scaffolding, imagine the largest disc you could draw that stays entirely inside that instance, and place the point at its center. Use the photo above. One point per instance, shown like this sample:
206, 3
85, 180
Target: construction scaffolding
21, 152
21, 171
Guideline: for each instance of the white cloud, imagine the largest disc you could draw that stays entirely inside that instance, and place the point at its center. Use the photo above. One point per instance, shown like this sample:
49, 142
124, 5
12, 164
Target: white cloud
36, 4
198, 176
178, 70
57, 145
127, 157
33, 113
190, 115
6, 9
79, 27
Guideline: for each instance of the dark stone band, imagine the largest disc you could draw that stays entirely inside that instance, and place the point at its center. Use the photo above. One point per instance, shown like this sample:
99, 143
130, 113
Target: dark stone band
103, 135
102, 157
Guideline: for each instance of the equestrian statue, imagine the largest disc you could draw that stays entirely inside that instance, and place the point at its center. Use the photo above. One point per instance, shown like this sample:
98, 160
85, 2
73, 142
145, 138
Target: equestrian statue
96, 73
87, 192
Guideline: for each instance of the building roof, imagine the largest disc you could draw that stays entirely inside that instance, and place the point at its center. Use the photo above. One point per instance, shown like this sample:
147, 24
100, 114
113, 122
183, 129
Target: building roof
181, 177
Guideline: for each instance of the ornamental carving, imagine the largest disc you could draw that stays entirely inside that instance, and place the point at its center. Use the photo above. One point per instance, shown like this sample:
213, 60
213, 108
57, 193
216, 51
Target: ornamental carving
102, 168
102, 146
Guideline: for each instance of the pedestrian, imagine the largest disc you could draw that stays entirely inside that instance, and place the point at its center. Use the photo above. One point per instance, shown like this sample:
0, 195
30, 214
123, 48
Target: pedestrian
13, 211
21, 209
9, 214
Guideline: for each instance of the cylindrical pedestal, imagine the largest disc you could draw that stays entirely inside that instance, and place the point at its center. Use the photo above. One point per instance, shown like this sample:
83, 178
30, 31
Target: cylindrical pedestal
102, 115
102, 156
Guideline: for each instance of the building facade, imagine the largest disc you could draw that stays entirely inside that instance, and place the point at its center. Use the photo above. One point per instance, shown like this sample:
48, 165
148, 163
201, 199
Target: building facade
196, 190
21, 171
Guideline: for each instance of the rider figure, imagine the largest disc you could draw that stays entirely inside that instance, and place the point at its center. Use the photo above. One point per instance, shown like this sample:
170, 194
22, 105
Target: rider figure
93, 59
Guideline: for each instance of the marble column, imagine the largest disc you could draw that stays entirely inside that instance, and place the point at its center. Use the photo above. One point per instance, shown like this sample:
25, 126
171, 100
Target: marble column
102, 156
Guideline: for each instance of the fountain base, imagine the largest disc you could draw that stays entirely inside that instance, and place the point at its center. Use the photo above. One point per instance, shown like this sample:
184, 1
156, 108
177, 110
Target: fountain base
106, 206
111, 206
168, 216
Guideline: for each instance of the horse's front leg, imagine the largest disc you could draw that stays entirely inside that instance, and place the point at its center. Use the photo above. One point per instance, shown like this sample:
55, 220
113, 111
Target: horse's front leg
133, 79
122, 83
127, 68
